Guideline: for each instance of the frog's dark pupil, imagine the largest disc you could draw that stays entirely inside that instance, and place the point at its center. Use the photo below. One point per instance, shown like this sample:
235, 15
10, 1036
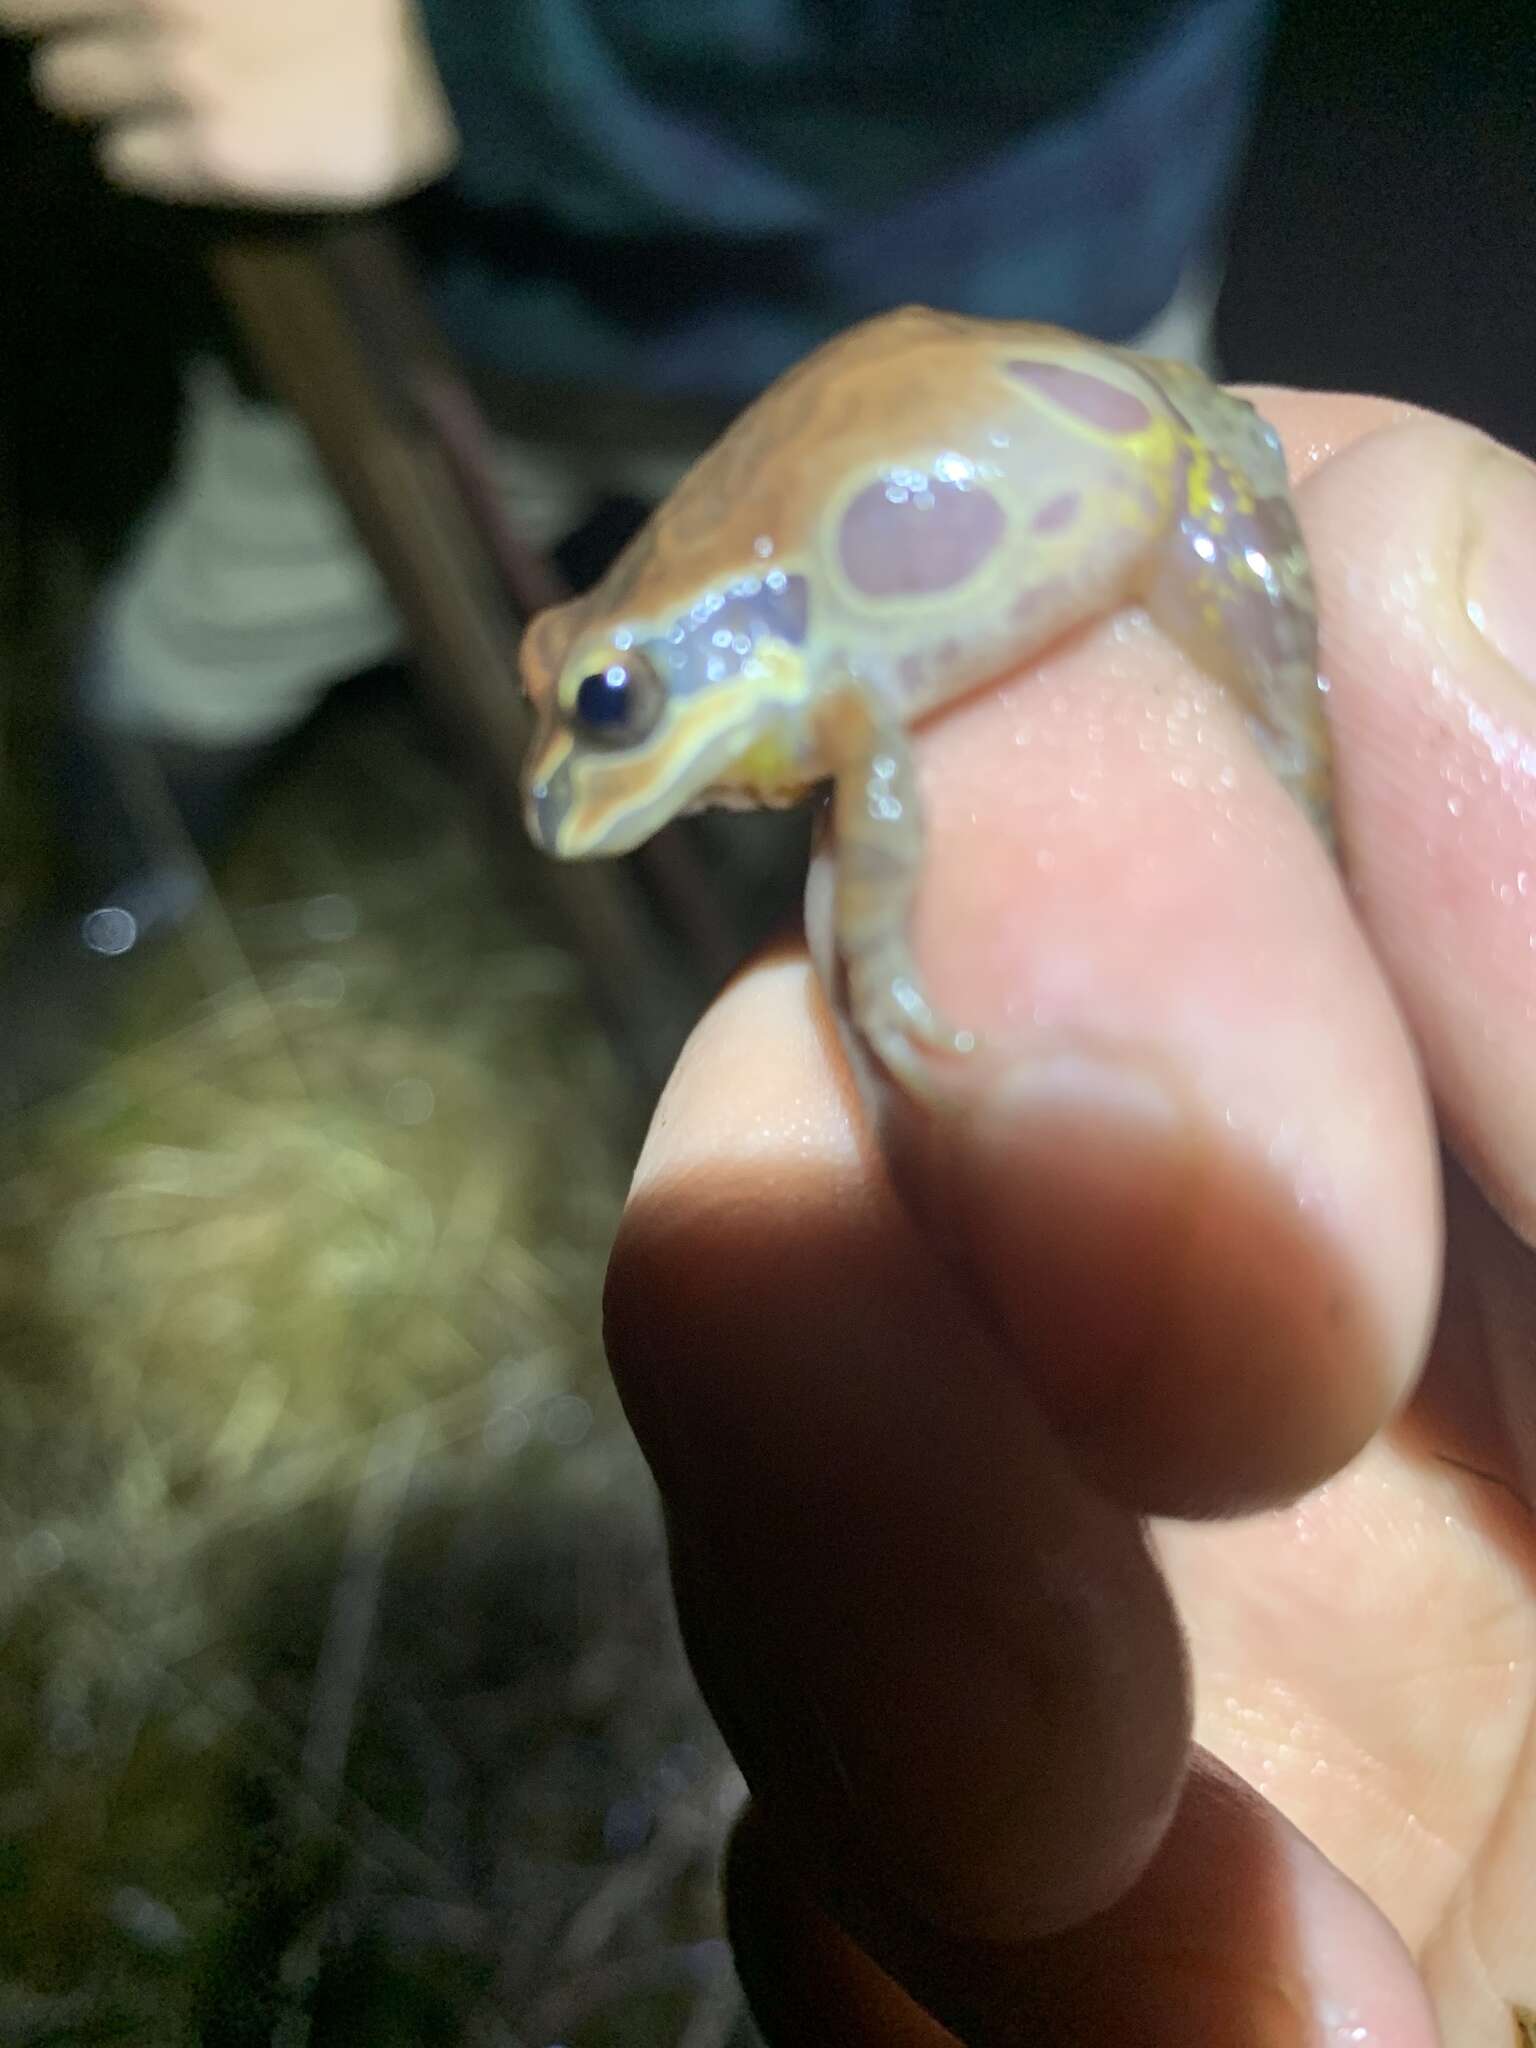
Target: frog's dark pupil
603, 699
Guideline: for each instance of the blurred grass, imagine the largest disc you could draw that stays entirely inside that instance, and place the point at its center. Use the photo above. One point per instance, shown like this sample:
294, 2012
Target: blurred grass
340, 1699
339, 1695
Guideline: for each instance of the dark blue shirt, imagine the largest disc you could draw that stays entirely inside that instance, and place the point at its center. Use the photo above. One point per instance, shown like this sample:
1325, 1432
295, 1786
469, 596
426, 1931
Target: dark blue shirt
683, 196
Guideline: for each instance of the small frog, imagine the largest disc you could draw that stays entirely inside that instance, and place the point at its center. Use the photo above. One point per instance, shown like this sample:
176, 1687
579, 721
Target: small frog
907, 514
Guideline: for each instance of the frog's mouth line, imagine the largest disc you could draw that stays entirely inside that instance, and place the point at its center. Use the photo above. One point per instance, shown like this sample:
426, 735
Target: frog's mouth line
546, 804
589, 806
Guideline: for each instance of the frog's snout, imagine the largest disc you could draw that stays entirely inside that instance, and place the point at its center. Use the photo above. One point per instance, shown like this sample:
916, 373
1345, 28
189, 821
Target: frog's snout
535, 815
562, 817
547, 802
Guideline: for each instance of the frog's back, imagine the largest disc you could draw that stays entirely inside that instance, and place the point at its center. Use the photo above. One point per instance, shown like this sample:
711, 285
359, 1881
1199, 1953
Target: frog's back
851, 407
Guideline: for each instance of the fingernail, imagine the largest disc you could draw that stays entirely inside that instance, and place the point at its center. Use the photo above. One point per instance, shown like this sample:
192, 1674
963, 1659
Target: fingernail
1499, 580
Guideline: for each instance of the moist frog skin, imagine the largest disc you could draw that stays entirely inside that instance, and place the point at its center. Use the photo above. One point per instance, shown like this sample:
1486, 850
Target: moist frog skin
909, 513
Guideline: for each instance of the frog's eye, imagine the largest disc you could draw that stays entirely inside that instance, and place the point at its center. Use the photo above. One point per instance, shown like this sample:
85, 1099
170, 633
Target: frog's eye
619, 705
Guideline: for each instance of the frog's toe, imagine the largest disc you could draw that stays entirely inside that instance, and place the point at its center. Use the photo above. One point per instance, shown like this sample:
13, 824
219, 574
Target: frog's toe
904, 1033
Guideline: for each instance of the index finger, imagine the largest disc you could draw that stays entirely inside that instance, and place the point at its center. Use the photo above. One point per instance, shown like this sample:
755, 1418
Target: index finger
1196, 1187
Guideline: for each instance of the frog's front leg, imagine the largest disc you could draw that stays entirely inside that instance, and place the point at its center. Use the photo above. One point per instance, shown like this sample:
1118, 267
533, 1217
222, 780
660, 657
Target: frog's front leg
878, 861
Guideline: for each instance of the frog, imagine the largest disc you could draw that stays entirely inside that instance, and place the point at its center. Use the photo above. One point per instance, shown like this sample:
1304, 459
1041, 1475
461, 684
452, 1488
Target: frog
913, 511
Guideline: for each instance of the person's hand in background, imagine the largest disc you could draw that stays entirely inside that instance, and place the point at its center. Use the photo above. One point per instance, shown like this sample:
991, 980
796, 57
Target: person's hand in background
269, 103
1178, 1255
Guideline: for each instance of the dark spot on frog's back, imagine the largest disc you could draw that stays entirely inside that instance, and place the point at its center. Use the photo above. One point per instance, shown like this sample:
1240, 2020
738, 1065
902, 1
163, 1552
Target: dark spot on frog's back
1059, 513
917, 536
1094, 399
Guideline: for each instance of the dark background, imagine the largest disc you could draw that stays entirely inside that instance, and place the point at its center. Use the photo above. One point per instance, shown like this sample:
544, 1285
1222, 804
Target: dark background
1384, 239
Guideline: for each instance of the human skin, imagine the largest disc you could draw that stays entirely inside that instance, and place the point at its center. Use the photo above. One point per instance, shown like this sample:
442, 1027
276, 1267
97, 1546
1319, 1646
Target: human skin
1262, 1768
281, 103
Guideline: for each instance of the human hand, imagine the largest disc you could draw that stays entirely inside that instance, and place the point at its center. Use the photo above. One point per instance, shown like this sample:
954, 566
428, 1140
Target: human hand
1180, 1256
249, 102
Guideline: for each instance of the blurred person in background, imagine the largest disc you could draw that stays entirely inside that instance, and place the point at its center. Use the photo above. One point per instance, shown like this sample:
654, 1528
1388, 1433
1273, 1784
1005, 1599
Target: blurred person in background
638, 214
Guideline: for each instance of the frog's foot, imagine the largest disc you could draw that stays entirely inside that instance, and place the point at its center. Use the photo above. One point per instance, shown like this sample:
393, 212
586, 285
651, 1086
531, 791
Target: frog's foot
897, 1025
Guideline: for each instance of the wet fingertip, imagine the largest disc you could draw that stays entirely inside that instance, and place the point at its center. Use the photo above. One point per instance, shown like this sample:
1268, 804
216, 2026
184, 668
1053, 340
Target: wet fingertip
1061, 1186
1200, 1342
1426, 533
1040, 1146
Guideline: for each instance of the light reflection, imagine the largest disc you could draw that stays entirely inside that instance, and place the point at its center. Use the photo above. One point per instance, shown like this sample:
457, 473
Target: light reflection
329, 917
409, 1101
110, 931
565, 1420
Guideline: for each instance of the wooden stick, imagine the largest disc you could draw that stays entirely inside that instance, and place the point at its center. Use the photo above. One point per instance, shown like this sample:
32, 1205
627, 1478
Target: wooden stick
340, 330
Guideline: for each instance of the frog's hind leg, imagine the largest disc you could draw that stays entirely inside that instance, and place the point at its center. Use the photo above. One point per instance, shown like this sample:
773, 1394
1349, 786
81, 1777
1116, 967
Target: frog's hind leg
879, 854
1231, 584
